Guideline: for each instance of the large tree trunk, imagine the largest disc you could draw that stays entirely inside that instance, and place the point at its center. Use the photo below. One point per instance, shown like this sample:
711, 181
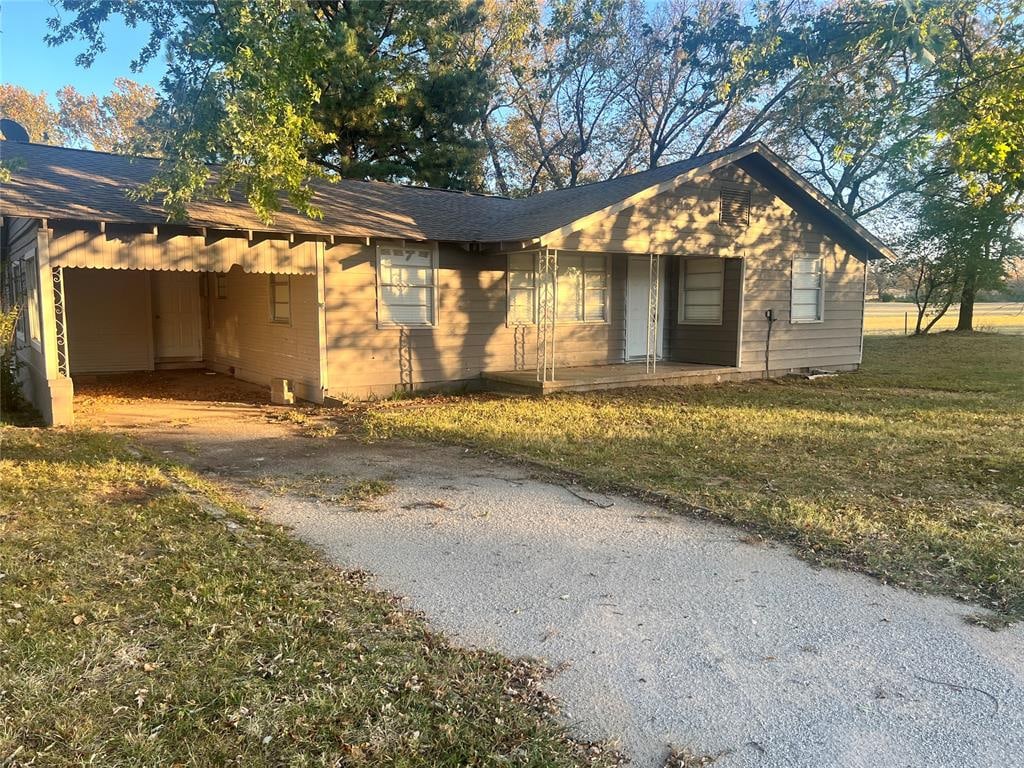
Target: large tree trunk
966, 319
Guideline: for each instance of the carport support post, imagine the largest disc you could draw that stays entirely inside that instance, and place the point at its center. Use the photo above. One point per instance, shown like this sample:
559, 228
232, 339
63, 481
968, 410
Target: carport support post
53, 326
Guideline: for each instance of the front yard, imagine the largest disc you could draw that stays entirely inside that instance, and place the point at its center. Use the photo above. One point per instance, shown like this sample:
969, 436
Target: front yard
146, 620
911, 469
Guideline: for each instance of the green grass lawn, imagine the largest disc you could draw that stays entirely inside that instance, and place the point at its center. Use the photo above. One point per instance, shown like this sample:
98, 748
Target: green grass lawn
911, 469
141, 626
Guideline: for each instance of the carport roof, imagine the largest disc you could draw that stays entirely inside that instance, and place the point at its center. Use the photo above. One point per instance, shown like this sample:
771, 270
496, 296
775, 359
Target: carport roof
62, 183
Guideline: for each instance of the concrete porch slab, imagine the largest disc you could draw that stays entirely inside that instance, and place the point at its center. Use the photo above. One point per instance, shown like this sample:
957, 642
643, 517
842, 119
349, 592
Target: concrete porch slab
591, 377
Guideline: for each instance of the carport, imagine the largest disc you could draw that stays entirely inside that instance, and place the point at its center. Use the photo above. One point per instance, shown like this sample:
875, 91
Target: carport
103, 297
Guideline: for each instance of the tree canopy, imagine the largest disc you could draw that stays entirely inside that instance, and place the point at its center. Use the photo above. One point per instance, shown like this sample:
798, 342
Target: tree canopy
881, 103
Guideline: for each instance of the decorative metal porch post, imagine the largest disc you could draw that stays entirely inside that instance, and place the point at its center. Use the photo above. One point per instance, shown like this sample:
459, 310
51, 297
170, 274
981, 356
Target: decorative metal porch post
653, 311
61, 321
547, 276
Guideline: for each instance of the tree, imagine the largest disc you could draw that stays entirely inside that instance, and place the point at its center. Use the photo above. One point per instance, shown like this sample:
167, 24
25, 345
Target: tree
280, 92
114, 123
33, 112
958, 248
706, 74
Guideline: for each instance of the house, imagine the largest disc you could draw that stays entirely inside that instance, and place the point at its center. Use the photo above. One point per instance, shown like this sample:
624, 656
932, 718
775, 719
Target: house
664, 276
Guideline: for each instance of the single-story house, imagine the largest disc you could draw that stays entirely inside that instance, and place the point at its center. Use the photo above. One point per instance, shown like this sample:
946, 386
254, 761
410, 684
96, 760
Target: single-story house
725, 266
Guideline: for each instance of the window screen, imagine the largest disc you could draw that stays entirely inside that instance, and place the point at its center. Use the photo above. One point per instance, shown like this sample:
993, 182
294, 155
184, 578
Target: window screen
406, 287
522, 288
582, 288
281, 298
700, 291
807, 304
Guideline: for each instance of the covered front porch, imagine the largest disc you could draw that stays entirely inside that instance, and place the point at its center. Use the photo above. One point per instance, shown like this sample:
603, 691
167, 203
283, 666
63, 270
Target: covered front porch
664, 320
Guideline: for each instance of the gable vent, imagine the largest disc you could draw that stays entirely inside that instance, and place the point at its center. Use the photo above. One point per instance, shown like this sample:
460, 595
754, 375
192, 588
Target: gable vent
734, 207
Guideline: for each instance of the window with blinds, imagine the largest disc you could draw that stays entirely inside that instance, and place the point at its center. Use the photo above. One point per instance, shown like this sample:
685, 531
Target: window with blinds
522, 289
280, 298
734, 207
807, 302
406, 286
582, 288
701, 285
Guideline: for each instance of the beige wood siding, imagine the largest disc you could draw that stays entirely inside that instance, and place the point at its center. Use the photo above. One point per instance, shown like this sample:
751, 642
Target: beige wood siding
109, 320
124, 248
697, 343
240, 335
685, 221
470, 336
23, 238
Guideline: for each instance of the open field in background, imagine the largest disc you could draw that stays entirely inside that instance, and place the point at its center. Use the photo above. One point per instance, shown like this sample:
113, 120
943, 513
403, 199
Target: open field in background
142, 625
888, 317
911, 469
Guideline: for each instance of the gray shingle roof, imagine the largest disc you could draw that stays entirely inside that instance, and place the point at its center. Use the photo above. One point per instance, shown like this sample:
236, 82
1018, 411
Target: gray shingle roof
61, 183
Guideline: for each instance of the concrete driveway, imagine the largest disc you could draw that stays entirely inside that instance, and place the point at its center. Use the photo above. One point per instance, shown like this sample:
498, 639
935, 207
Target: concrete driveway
661, 630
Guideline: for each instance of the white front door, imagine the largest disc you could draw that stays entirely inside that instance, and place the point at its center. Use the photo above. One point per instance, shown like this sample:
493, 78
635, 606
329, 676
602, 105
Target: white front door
638, 298
177, 319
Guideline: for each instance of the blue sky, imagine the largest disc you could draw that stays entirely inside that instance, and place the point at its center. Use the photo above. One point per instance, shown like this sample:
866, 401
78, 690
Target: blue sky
26, 59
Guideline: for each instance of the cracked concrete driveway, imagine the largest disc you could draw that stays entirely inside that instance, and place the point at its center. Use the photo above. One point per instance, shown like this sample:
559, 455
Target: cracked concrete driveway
661, 629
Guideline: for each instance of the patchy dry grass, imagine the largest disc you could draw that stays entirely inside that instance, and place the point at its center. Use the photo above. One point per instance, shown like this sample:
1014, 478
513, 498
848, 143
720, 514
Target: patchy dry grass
911, 469
327, 488
147, 621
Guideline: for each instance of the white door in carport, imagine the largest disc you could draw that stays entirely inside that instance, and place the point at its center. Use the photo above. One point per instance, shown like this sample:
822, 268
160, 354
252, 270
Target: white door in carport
177, 317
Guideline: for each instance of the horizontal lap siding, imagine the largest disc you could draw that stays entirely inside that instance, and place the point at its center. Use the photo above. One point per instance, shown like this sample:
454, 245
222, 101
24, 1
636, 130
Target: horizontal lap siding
240, 334
21, 236
470, 336
685, 222
109, 320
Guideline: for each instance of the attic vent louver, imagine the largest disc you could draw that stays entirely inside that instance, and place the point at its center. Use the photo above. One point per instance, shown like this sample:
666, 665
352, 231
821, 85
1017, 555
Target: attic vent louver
734, 208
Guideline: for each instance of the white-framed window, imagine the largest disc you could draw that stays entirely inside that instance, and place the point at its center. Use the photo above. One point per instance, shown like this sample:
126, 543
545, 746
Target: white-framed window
701, 288
406, 286
221, 285
807, 295
281, 299
19, 291
32, 298
522, 289
582, 288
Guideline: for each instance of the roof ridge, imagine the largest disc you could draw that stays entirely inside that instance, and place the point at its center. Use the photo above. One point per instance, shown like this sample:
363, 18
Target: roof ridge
5, 142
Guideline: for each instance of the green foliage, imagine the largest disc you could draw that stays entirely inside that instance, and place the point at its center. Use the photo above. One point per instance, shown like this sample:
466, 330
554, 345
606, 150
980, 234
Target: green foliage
11, 398
278, 92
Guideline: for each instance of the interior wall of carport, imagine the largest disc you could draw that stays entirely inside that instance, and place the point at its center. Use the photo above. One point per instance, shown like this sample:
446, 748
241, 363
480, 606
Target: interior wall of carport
240, 337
